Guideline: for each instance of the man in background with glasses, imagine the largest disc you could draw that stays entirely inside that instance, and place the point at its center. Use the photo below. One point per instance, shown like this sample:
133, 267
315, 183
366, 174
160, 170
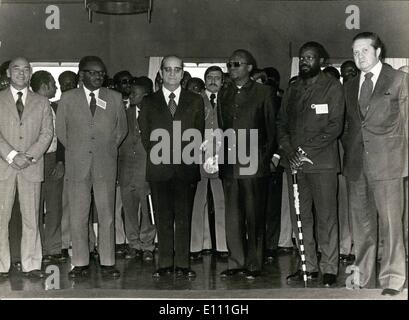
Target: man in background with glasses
91, 124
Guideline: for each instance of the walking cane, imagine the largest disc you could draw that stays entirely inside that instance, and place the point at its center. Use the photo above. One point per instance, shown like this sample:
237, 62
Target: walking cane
298, 214
152, 215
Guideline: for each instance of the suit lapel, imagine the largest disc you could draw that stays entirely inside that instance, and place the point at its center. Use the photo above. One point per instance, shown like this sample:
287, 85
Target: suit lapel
83, 102
380, 88
28, 107
161, 102
12, 104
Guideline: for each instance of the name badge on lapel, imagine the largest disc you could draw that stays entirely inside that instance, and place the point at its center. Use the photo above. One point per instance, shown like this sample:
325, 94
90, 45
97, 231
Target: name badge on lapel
101, 103
320, 108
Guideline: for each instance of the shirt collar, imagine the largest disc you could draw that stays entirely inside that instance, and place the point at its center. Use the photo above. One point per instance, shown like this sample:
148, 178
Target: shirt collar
376, 70
87, 92
14, 93
167, 92
208, 93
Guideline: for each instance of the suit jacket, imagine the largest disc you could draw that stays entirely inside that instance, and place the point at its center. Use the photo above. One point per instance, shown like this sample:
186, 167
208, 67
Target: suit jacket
154, 115
91, 142
380, 139
251, 107
32, 134
132, 155
299, 123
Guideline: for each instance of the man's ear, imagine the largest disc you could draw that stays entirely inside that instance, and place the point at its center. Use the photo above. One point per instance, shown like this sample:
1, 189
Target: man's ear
321, 62
378, 53
250, 68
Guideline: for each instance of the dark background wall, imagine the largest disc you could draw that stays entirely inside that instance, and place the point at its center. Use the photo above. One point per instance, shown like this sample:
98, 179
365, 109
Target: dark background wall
198, 30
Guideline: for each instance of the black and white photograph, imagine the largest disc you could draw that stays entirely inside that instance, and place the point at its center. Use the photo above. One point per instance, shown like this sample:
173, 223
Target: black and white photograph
204, 155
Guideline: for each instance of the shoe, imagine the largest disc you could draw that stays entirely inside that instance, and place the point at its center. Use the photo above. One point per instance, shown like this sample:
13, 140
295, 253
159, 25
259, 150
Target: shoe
65, 253
47, 259
184, 272
329, 279
17, 265
251, 275
4, 275
133, 253
36, 274
232, 272
110, 271
147, 256
78, 272
120, 249
284, 250
207, 252
162, 272
94, 254
59, 257
195, 255
271, 255
299, 276
390, 292
222, 254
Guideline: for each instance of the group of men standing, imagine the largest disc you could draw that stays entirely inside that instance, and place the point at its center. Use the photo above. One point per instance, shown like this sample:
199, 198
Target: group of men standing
369, 114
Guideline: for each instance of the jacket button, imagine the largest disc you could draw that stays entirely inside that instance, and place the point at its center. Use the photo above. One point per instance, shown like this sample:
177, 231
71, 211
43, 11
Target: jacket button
21, 138
89, 151
21, 123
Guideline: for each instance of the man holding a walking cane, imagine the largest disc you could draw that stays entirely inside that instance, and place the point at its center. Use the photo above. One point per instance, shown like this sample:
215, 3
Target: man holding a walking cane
308, 125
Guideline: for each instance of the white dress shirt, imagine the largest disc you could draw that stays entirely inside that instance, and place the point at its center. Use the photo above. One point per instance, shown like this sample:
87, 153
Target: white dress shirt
166, 93
87, 92
376, 70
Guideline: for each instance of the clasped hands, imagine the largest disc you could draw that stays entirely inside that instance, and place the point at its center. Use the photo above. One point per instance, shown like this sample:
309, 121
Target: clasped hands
22, 161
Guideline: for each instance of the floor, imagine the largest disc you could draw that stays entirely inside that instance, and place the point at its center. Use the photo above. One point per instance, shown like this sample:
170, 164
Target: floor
136, 283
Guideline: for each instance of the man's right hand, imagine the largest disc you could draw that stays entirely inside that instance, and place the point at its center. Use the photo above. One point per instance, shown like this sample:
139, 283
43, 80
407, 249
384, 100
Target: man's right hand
21, 161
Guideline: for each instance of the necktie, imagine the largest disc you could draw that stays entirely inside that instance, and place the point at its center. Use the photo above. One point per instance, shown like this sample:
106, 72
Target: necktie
212, 98
172, 104
366, 93
92, 103
19, 104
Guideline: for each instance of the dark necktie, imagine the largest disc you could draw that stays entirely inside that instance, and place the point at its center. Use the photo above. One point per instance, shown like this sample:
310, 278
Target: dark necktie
92, 103
19, 104
366, 93
212, 98
172, 104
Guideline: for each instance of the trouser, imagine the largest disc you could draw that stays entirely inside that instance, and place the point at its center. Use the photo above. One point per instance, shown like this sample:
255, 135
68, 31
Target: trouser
320, 190
79, 201
51, 199
173, 204
29, 199
15, 227
286, 229
201, 227
139, 229
370, 203
245, 221
273, 211
344, 218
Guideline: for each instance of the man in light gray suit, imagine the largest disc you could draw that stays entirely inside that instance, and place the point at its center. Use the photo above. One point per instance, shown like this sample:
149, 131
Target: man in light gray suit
26, 130
91, 124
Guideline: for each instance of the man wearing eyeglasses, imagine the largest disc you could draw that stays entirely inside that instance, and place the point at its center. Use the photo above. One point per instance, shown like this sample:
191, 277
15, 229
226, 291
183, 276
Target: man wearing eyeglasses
173, 183
311, 119
244, 106
91, 124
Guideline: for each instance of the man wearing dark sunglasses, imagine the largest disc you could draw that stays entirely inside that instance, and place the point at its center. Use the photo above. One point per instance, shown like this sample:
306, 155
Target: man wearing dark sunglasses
244, 106
91, 124
122, 83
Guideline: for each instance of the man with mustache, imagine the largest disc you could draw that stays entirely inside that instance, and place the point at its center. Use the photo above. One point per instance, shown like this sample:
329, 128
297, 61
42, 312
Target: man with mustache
311, 118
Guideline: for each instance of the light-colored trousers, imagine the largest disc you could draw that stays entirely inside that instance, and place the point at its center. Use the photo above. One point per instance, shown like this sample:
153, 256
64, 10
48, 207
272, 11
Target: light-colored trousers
200, 235
286, 228
29, 198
